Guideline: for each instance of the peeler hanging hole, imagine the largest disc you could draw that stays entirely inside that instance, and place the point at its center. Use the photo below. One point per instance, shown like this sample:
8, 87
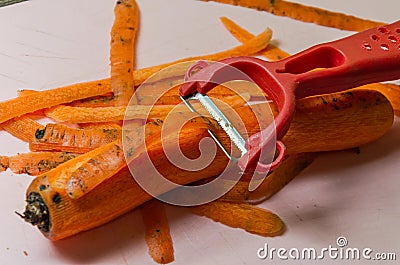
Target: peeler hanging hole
398, 30
367, 46
384, 30
393, 39
384, 47
375, 37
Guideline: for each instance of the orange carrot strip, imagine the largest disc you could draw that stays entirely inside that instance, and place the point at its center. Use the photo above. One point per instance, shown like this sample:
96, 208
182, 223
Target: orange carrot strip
248, 48
4, 163
90, 102
94, 102
241, 215
272, 52
48, 98
58, 137
157, 233
101, 125
307, 14
54, 97
36, 163
24, 128
108, 114
123, 34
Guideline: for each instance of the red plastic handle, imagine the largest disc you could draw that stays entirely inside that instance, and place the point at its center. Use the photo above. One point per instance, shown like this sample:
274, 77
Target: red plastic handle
366, 57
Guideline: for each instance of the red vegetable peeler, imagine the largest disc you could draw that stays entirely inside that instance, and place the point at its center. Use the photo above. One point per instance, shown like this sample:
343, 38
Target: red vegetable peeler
366, 57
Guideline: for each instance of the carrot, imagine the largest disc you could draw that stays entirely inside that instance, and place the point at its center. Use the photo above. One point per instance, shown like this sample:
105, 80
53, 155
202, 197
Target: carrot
94, 102
58, 137
123, 34
108, 114
157, 233
66, 216
48, 98
253, 219
307, 14
69, 216
95, 167
390, 91
271, 52
4, 163
371, 111
101, 125
23, 128
35, 163
90, 102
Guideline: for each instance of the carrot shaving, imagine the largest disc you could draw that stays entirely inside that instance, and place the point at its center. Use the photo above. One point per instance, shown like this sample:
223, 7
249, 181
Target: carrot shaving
271, 52
109, 114
101, 125
23, 128
157, 232
4, 163
123, 34
241, 215
58, 137
35, 163
305, 13
94, 102
48, 98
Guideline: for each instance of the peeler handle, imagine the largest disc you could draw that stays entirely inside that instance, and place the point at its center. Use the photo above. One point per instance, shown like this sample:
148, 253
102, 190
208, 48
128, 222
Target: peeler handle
366, 57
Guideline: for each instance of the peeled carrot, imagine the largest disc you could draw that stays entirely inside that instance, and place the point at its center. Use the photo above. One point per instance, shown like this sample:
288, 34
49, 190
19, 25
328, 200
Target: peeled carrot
4, 163
307, 14
66, 216
390, 91
101, 125
48, 98
108, 114
94, 102
35, 163
23, 128
157, 233
95, 167
123, 34
253, 219
58, 137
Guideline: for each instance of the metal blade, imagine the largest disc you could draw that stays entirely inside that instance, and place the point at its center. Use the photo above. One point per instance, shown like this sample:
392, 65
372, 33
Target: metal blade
222, 120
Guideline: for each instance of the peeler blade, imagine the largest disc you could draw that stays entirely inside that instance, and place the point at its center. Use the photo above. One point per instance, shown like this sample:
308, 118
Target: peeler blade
222, 120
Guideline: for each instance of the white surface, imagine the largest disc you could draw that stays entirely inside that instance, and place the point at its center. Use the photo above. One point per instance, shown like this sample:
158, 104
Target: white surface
50, 43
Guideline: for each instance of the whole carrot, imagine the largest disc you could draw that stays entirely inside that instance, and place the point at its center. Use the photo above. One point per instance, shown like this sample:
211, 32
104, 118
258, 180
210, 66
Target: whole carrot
360, 117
